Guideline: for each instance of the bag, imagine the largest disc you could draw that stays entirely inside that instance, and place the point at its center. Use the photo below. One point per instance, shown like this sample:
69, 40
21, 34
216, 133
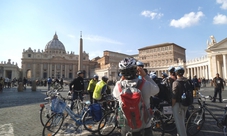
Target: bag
187, 93
96, 111
133, 107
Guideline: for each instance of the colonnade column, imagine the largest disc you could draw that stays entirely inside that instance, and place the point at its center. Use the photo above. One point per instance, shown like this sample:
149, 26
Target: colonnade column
224, 66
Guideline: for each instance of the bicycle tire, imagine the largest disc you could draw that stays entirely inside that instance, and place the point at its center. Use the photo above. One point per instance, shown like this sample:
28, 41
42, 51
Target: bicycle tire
43, 115
108, 119
89, 122
191, 122
56, 120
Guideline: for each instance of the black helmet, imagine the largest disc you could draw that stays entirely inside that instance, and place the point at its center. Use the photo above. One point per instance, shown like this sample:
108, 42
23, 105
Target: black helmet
139, 63
96, 77
179, 71
80, 72
104, 78
164, 74
171, 69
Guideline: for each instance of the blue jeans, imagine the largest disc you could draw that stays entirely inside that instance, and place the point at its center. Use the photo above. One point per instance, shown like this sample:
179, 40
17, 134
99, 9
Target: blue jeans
75, 96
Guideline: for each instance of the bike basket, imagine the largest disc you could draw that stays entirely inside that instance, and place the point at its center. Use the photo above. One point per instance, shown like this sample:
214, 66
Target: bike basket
58, 106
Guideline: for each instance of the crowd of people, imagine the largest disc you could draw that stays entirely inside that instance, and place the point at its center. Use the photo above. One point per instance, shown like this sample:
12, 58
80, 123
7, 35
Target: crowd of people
167, 88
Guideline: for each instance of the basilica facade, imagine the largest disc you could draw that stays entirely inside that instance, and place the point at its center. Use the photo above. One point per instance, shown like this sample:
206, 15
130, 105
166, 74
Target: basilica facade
54, 61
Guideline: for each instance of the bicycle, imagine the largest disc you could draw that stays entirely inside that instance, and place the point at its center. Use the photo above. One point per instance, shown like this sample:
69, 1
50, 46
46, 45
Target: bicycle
91, 119
54, 123
109, 121
162, 119
196, 120
78, 104
45, 111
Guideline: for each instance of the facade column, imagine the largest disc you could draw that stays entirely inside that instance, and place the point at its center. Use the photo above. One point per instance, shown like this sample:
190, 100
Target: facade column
41, 71
48, 70
224, 66
74, 75
60, 70
219, 68
190, 70
34, 72
51, 72
213, 68
66, 76
55, 70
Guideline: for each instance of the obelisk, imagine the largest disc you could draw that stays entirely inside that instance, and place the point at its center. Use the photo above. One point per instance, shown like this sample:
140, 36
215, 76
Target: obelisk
80, 61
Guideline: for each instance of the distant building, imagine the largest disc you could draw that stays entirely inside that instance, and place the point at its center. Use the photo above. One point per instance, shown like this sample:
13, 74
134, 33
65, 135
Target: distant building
54, 61
9, 69
108, 64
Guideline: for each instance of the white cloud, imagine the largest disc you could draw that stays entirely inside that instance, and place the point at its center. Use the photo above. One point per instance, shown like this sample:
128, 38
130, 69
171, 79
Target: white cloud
220, 19
223, 3
101, 39
151, 14
187, 20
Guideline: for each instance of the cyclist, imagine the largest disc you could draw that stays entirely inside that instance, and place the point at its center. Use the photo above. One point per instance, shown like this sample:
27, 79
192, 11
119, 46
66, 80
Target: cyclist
128, 69
91, 86
78, 87
100, 91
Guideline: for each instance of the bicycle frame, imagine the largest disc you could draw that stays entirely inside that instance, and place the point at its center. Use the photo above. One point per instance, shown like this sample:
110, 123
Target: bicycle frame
204, 108
74, 116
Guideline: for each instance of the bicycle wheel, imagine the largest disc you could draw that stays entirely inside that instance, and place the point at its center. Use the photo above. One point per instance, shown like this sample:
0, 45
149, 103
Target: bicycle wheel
168, 125
44, 115
53, 125
107, 124
89, 122
195, 122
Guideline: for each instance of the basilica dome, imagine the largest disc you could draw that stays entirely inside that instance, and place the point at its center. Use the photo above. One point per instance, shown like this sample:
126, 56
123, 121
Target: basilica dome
55, 45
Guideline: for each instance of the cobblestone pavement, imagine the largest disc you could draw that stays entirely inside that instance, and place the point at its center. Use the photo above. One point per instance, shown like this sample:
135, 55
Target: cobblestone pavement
19, 114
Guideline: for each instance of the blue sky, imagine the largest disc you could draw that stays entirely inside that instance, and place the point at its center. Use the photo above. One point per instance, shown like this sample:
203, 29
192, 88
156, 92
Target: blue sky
117, 25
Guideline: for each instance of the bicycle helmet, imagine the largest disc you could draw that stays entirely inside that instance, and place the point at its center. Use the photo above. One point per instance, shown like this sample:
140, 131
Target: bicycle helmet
96, 77
139, 63
79, 72
179, 71
127, 68
171, 69
153, 75
164, 74
127, 63
104, 78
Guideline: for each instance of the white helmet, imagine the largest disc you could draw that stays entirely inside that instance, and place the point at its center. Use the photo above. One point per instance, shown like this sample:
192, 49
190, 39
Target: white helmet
127, 63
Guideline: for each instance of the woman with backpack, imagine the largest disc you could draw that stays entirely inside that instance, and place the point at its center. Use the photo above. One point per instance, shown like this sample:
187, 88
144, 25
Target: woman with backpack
130, 84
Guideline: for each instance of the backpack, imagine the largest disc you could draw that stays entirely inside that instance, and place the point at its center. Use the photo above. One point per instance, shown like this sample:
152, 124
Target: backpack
186, 94
133, 107
95, 111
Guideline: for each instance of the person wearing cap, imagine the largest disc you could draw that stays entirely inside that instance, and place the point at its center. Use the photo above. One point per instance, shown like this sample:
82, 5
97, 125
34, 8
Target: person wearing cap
100, 89
172, 76
218, 87
78, 87
91, 87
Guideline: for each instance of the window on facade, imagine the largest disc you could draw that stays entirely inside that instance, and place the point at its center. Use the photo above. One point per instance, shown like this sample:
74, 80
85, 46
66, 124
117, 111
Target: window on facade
44, 66
70, 75
70, 67
58, 66
29, 55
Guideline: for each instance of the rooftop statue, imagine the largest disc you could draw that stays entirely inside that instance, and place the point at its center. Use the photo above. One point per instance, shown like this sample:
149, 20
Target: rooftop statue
212, 41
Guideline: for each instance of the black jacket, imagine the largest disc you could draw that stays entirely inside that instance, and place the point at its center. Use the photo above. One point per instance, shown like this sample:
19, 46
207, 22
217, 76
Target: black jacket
78, 84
